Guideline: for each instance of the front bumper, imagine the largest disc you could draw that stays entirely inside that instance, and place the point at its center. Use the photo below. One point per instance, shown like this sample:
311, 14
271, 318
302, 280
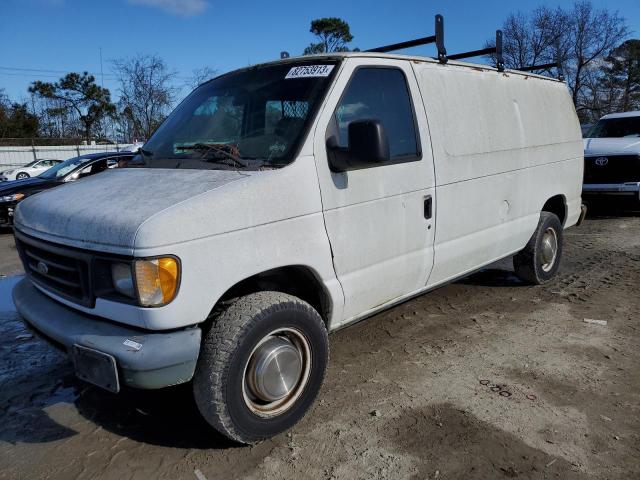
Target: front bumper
627, 188
143, 359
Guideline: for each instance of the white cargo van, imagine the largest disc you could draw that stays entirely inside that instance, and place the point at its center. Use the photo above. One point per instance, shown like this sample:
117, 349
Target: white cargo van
283, 201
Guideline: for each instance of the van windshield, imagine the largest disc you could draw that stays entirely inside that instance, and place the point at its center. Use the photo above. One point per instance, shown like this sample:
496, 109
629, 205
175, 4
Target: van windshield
616, 128
254, 118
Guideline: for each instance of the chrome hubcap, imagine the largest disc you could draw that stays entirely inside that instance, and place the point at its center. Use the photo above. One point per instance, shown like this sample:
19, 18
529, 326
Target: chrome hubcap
549, 249
277, 372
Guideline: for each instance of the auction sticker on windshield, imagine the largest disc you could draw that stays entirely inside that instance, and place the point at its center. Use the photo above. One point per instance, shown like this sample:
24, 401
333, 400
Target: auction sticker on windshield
305, 71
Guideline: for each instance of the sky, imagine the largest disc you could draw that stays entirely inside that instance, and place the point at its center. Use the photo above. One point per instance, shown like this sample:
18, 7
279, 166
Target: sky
43, 39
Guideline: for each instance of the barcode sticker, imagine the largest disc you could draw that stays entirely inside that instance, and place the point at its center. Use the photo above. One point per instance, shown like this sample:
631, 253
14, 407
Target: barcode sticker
306, 71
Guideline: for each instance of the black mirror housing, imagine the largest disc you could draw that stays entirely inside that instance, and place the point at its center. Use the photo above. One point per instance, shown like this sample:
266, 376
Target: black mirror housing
368, 147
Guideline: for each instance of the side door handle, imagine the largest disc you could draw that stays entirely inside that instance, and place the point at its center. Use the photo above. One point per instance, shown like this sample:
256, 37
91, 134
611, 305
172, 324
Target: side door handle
428, 207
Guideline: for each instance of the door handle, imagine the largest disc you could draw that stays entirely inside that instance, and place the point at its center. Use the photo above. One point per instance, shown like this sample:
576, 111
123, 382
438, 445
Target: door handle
428, 207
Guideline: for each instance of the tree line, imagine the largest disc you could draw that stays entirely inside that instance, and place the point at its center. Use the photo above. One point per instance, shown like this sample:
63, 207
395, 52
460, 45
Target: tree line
77, 107
600, 63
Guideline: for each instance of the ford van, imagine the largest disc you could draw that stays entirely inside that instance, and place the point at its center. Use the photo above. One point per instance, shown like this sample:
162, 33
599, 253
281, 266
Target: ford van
284, 201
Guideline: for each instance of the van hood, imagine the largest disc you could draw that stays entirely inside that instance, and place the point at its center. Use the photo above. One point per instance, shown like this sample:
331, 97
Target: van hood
611, 146
107, 211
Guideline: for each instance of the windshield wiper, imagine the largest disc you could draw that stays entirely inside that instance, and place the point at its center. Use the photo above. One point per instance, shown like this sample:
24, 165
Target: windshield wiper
218, 148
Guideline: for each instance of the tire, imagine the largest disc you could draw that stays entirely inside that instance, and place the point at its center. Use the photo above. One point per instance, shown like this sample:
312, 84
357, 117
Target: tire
223, 388
22, 176
534, 264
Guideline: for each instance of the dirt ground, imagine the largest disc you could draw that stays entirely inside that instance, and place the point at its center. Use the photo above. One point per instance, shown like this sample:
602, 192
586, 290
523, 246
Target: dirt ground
404, 396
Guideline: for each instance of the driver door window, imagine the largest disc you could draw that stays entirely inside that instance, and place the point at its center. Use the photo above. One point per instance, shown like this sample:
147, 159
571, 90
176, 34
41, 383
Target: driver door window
380, 94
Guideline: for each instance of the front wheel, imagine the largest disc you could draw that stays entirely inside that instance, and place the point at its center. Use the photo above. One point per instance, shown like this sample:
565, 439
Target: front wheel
22, 176
261, 366
539, 261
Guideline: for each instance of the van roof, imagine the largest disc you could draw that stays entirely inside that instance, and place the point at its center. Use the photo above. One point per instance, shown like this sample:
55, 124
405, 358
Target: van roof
412, 58
622, 115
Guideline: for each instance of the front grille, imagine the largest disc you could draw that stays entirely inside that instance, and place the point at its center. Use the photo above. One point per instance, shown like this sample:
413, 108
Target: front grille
62, 271
611, 169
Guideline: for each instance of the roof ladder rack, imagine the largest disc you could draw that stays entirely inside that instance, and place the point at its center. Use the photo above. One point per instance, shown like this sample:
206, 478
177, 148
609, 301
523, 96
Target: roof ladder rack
497, 50
438, 39
546, 66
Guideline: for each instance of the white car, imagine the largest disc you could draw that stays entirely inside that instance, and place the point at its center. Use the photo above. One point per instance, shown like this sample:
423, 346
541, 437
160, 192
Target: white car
612, 156
284, 201
32, 169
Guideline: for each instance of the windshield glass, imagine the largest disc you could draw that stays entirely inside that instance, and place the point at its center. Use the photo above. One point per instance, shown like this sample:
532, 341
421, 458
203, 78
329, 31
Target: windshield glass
252, 118
61, 169
616, 128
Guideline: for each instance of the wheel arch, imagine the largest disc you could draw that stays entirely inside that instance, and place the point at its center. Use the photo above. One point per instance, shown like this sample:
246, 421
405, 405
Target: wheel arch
558, 206
300, 281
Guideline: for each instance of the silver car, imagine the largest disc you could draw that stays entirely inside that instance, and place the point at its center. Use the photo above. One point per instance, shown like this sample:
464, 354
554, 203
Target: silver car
31, 169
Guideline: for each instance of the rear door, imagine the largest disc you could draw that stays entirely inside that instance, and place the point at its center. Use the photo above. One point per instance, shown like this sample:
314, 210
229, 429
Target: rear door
379, 219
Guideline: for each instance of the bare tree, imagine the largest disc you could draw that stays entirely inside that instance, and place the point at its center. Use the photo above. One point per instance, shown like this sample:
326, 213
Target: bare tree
534, 39
579, 38
146, 94
55, 119
593, 34
201, 75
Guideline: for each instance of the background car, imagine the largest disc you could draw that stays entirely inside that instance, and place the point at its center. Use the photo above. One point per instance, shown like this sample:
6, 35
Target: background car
32, 169
68, 171
612, 157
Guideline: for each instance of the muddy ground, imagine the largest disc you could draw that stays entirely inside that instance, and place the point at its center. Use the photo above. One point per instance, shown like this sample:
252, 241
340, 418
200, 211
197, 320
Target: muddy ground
404, 394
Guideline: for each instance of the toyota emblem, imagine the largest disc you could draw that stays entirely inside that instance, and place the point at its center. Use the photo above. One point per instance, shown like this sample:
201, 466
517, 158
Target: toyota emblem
42, 268
602, 161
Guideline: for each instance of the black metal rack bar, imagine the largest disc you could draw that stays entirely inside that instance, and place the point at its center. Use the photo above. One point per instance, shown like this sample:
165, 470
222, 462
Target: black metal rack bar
499, 57
497, 50
544, 66
402, 45
438, 39
473, 53
547, 66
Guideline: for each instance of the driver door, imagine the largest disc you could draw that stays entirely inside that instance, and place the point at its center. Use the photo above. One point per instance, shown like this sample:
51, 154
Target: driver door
378, 219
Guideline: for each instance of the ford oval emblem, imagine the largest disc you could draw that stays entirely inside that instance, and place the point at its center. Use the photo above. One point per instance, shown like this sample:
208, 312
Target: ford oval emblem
602, 161
42, 268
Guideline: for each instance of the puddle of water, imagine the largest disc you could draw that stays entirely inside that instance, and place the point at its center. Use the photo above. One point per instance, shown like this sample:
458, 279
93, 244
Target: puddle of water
21, 353
6, 286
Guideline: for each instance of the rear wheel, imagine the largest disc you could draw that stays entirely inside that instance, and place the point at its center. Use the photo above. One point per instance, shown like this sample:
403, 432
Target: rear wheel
22, 176
539, 261
261, 366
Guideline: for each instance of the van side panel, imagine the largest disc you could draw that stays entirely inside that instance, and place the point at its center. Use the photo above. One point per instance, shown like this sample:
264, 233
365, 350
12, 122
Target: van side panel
503, 144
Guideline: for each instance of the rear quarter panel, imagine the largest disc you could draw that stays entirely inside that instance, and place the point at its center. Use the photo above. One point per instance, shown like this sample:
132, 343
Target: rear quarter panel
503, 144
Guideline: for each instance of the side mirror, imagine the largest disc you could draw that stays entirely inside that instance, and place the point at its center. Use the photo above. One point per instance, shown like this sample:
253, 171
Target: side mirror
368, 147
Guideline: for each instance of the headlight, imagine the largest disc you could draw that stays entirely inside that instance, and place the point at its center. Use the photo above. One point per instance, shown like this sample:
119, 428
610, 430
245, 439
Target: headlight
153, 281
123, 279
12, 198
